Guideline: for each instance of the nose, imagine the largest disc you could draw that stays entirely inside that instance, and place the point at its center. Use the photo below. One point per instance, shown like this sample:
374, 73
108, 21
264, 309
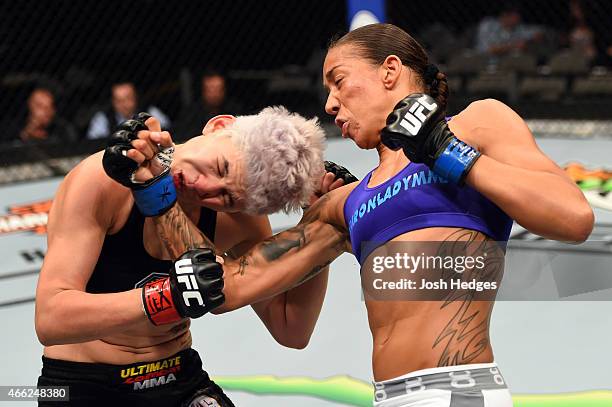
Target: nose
332, 105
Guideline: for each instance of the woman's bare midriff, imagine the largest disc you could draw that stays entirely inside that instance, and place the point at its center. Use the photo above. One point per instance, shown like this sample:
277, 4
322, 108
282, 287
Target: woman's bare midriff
425, 337
145, 345
410, 335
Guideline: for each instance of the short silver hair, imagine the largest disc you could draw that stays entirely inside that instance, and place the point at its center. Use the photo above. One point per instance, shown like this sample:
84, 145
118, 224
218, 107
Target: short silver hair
283, 159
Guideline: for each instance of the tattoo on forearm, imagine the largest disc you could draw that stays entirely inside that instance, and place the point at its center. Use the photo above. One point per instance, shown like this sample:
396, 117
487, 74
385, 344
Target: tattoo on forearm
466, 335
179, 234
275, 247
242, 265
293, 240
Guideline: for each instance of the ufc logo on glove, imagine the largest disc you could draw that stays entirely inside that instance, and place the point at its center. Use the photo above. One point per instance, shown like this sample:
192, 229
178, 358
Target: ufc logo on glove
414, 118
184, 272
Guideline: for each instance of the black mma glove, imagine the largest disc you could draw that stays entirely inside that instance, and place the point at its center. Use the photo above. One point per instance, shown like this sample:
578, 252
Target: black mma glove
193, 288
340, 172
417, 125
153, 197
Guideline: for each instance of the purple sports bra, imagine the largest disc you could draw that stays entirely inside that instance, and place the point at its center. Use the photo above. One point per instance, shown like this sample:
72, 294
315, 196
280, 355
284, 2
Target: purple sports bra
417, 198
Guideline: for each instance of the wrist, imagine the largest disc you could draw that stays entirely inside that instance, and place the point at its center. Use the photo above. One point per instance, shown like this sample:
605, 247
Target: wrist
156, 196
454, 160
158, 303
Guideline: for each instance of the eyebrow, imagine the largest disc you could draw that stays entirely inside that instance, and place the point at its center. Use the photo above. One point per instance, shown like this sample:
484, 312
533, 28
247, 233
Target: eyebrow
328, 75
225, 166
230, 194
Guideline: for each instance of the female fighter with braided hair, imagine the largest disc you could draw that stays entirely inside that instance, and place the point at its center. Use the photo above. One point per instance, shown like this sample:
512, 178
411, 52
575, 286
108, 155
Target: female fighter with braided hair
443, 187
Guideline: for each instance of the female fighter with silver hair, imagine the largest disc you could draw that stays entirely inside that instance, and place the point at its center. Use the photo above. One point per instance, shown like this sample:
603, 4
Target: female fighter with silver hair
106, 263
443, 187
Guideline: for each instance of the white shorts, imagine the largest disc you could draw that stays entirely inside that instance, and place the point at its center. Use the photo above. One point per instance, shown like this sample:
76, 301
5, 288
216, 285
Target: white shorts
476, 385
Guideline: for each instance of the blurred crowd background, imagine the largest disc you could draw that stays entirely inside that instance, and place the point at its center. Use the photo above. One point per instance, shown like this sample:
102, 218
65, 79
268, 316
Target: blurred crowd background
71, 71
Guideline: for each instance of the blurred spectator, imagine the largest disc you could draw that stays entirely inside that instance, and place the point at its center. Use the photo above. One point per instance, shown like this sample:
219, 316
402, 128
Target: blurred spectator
506, 33
597, 15
214, 101
41, 122
124, 104
580, 37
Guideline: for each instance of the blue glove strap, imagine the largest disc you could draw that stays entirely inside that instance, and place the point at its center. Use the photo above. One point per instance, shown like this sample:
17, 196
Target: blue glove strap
455, 161
156, 198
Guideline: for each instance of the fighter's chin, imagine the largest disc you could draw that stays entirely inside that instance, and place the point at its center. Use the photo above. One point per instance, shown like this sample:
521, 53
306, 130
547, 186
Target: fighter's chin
365, 142
214, 207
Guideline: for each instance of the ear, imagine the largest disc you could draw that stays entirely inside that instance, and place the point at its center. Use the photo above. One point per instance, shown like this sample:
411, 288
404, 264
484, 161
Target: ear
390, 70
217, 123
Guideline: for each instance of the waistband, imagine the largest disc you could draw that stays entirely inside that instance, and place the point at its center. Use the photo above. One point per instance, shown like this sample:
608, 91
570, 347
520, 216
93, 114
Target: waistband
184, 361
473, 378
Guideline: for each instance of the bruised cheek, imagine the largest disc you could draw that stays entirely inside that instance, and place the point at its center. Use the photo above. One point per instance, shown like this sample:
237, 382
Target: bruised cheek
351, 103
353, 92
357, 104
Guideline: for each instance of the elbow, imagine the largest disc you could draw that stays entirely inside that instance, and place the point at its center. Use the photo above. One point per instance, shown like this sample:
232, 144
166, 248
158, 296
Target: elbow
575, 228
299, 344
46, 340
48, 331
44, 331
43, 336
293, 338
294, 341
582, 226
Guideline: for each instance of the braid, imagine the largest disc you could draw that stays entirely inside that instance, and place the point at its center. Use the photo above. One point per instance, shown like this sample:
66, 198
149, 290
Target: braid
438, 89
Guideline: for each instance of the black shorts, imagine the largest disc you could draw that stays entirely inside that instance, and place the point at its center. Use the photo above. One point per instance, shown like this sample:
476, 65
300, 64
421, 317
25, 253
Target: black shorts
175, 381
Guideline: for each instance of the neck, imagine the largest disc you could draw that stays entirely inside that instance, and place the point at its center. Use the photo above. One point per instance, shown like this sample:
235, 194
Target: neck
388, 157
192, 210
